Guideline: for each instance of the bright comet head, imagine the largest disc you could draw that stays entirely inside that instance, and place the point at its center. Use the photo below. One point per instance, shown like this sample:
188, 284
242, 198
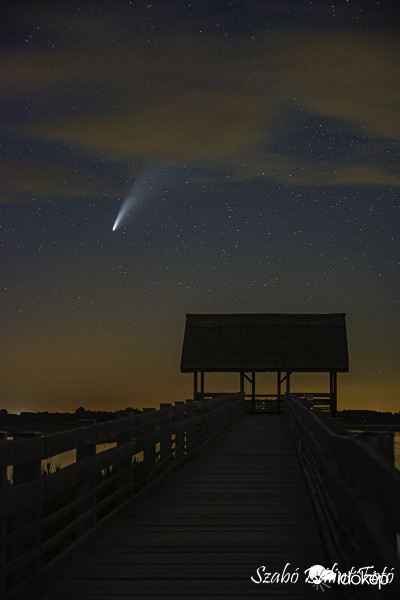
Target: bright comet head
124, 211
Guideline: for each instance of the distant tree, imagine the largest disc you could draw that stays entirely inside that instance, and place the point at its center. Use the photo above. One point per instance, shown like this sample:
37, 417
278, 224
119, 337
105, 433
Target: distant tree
129, 409
3, 411
80, 410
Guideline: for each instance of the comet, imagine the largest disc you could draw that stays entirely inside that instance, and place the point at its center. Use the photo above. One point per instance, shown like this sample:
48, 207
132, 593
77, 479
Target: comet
142, 189
125, 211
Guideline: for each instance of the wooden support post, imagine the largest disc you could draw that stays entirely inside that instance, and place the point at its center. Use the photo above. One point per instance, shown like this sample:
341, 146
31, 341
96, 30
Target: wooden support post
195, 383
279, 391
202, 384
253, 390
333, 392
241, 382
288, 382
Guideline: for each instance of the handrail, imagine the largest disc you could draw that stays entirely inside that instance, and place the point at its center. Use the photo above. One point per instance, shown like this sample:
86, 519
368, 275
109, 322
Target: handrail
359, 490
43, 518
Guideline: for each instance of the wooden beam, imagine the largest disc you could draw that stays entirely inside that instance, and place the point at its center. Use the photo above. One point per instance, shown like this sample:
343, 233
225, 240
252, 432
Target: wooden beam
279, 391
333, 391
288, 374
285, 377
249, 379
253, 390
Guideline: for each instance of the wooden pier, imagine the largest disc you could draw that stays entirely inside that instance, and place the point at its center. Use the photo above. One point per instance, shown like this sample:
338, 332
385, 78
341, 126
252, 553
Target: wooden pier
193, 501
241, 503
200, 500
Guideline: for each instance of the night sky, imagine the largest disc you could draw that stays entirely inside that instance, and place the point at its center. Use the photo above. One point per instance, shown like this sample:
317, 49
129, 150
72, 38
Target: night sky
254, 148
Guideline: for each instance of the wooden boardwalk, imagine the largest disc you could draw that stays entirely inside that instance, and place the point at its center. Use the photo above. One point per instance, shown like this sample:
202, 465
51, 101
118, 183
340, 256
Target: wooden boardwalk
241, 503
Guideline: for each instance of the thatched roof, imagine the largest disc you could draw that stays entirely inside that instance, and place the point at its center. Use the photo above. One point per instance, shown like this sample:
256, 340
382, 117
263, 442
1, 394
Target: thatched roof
265, 342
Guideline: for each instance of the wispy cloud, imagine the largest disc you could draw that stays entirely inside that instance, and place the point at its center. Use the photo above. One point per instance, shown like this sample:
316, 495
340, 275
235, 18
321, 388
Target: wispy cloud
203, 99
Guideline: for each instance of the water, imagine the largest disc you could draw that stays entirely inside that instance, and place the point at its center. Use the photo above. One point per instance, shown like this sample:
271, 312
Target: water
69, 458
59, 461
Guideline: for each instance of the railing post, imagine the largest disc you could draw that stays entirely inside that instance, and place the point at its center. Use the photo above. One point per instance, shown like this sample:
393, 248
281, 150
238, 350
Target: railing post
195, 384
29, 471
201, 420
124, 467
86, 449
191, 427
3, 520
165, 434
24, 473
149, 446
253, 390
3, 470
178, 419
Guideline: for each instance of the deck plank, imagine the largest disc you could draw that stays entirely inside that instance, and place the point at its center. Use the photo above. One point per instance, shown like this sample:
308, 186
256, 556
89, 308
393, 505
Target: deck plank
241, 503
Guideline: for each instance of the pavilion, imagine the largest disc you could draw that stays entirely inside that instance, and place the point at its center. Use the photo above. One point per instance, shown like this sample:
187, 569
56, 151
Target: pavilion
253, 343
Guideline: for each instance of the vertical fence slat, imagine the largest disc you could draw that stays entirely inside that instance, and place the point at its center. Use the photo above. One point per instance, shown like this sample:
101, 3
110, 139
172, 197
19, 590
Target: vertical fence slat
190, 428
149, 446
3, 519
86, 449
178, 420
124, 466
29, 518
165, 434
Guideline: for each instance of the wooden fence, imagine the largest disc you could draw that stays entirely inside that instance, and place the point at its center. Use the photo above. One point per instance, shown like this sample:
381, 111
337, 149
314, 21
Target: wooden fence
358, 490
45, 513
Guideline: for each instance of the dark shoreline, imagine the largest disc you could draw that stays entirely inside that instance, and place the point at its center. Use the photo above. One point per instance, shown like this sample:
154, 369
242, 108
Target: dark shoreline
47, 422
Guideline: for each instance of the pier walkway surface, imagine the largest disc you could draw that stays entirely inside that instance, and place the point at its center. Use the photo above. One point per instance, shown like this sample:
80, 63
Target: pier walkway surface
241, 503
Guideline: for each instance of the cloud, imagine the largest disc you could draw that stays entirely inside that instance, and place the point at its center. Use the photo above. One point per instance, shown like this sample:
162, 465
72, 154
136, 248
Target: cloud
364, 174
209, 100
350, 76
24, 180
290, 169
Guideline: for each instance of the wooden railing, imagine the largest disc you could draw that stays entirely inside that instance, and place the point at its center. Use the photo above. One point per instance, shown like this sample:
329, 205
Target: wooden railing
358, 491
45, 513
